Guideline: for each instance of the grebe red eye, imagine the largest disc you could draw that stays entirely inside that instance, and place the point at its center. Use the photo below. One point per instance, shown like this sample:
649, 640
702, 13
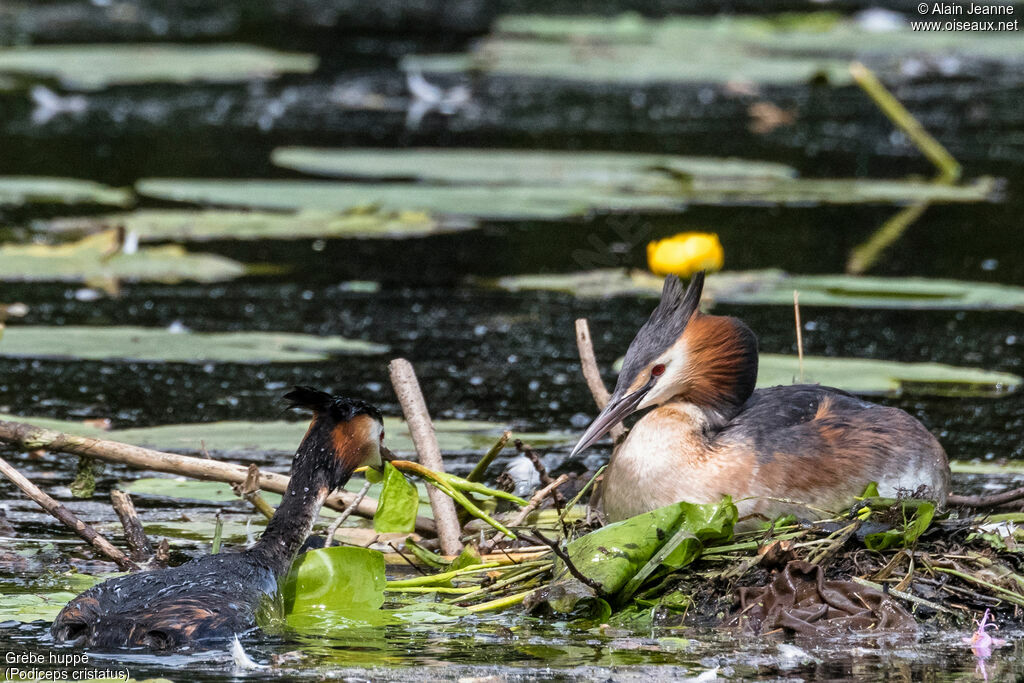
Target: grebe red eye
658, 370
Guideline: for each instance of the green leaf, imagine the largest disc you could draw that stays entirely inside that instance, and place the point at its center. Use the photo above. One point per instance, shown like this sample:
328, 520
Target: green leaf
189, 489
398, 504
97, 259
469, 557
27, 607
775, 287
201, 226
720, 49
336, 580
19, 190
161, 345
93, 67
908, 534
480, 201
614, 555
521, 167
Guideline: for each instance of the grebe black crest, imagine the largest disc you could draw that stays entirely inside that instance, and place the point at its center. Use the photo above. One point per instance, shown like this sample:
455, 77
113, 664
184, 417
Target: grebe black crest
215, 597
709, 433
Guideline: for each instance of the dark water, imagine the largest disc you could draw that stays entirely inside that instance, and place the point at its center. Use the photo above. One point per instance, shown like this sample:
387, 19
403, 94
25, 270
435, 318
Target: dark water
503, 357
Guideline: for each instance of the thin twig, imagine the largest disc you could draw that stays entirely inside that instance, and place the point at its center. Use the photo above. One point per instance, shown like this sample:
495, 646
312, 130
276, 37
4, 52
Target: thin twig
86, 532
414, 407
564, 557
250, 490
799, 334
346, 513
407, 560
534, 503
139, 545
592, 374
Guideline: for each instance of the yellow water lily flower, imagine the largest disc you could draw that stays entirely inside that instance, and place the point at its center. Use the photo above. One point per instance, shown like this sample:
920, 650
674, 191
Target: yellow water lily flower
685, 254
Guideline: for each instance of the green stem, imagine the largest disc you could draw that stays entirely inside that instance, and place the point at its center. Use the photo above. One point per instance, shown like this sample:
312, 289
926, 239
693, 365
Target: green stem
1009, 595
481, 467
442, 577
579, 495
500, 603
432, 589
507, 581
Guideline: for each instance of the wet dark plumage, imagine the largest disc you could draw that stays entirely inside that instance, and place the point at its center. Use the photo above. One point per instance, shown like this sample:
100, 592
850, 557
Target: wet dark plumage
215, 597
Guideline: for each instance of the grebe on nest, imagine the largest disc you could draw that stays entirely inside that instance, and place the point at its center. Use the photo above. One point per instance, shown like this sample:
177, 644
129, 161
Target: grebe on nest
711, 434
217, 596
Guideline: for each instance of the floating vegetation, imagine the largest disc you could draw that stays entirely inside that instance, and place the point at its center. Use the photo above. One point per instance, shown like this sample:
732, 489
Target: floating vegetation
201, 226
100, 259
165, 346
775, 287
520, 167
632, 49
93, 67
20, 190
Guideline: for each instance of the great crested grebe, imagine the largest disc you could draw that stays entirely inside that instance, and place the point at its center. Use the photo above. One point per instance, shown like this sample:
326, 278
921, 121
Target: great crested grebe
711, 434
217, 596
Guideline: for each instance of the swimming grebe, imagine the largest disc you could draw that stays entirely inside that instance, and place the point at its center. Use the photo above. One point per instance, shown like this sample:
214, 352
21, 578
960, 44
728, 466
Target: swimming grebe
218, 596
711, 434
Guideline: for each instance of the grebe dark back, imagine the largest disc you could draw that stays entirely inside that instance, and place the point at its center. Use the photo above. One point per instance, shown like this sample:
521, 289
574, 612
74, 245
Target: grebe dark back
711, 434
217, 596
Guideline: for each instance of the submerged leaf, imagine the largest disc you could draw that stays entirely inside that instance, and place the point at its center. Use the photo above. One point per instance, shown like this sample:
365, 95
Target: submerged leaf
161, 345
397, 505
338, 580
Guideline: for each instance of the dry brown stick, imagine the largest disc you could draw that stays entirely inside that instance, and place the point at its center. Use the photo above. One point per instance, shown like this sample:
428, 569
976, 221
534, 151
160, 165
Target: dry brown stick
31, 437
989, 501
799, 334
250, 490
86, 532
591, 373
414, 407
139, 546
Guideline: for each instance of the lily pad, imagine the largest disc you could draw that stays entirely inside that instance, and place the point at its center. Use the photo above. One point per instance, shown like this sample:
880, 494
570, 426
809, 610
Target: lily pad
341, 580
519, 167
160, 345
19, 190
866, 376
511, 202
280, 437
97, 259
93, 67
631, 49
26, 607
776, 287
200, 226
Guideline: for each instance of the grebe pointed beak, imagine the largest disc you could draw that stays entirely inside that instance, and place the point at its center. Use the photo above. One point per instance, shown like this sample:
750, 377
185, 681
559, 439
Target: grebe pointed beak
616, 411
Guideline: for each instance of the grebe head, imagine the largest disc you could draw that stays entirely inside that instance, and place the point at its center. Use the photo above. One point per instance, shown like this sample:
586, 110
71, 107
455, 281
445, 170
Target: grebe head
710, 361
345, 433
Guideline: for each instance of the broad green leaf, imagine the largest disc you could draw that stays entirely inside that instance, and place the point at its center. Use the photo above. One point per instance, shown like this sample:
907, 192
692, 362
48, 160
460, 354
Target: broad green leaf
883, 378
774, 287
512, 202
93, 67
397, 505
280, 437
98, 259
340, 580
160, 345
906, 535
721, 49
200, 226
19, 190
28, 607
614, 554
520, 167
